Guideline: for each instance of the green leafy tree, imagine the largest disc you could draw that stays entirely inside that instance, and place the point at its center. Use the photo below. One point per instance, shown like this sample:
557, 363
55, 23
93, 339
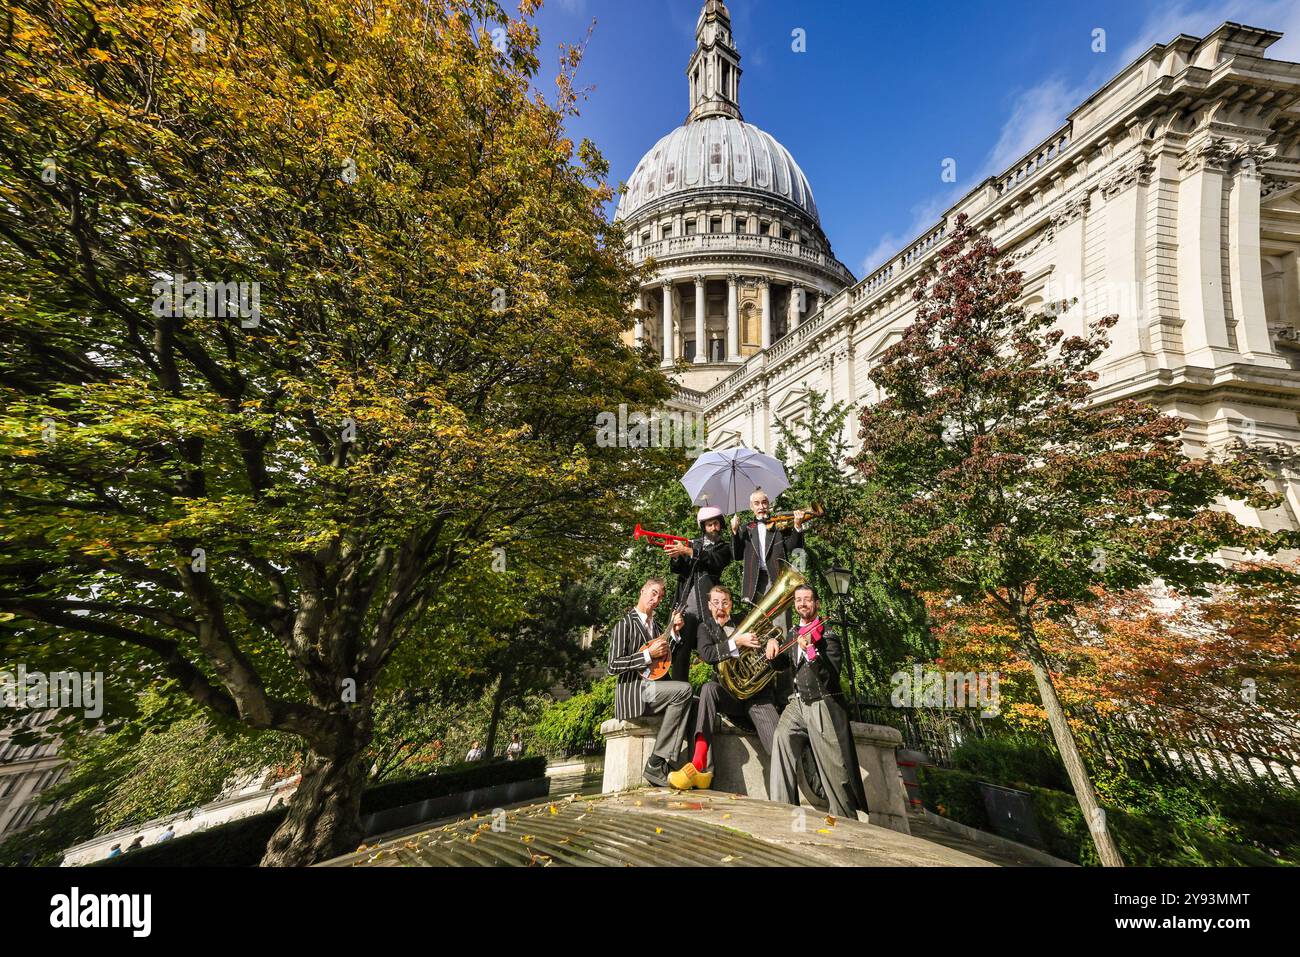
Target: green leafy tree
996, 475
267, 494
887, 623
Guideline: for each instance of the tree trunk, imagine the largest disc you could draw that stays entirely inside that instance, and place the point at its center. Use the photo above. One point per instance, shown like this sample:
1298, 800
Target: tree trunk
498, 702
1093, 813
324, 818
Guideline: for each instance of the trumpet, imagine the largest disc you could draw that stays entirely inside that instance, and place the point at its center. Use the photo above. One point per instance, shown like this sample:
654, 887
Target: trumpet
658, 538
786, 519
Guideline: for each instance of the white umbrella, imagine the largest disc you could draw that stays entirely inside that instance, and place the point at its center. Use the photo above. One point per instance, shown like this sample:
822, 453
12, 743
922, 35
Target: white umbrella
726, 478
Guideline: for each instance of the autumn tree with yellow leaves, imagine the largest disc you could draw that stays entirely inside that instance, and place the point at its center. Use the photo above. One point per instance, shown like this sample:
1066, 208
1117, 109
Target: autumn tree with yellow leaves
308, 311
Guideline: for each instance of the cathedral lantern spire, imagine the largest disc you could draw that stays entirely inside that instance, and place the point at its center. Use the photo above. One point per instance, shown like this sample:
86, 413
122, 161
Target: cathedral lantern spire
714, 70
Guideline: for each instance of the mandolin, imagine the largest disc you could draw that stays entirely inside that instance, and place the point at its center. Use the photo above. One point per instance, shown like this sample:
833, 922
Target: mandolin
659, 667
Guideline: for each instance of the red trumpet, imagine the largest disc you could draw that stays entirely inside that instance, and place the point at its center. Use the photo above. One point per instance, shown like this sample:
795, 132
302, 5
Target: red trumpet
658, 538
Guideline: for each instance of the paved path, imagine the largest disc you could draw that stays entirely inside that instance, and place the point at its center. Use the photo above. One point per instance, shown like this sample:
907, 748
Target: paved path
657, 826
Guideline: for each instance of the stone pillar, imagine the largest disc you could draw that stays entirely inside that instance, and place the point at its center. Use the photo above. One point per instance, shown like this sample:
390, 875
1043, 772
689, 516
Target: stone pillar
701, 346
669, 351
1126, 235
733, 320
851, 386
1066, 281
765, 304
639, 333
792, 314
1200, 263
1244, 270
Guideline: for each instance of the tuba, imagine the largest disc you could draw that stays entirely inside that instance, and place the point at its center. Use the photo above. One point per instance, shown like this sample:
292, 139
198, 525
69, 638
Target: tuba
749, 673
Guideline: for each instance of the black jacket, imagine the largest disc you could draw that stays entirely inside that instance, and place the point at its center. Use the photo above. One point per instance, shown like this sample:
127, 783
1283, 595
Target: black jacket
819, 678
781, 544
712, 643
696, 575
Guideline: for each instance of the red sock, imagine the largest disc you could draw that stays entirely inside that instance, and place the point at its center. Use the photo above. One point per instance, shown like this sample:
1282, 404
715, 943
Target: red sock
701, 752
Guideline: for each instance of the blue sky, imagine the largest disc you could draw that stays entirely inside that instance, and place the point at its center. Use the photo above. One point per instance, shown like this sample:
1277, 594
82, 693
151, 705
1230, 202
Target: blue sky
884, 93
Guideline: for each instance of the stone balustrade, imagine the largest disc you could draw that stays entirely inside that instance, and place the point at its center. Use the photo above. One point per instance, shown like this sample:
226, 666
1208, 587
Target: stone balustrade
730, 242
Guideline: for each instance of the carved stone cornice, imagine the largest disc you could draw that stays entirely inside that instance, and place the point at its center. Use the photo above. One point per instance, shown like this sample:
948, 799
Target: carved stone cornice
1286, 335
1070, 211
1028, 249
1279, 457
1135, 172
1224, 154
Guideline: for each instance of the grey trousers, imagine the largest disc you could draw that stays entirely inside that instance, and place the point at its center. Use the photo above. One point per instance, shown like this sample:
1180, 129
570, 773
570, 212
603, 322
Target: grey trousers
673, 699
825, 726
714, 699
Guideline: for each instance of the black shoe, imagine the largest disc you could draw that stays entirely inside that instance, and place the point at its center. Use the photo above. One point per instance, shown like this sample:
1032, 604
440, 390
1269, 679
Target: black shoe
656, 771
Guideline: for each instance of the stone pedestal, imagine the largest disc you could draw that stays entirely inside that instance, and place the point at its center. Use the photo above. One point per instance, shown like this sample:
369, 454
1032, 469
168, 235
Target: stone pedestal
740, 767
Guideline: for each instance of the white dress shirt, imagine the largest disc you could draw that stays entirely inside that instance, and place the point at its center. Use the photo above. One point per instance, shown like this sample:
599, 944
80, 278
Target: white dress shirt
645, 621
732, 650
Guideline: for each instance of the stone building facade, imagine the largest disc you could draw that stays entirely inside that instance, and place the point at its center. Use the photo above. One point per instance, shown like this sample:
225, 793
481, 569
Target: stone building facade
26, 771
1170, 197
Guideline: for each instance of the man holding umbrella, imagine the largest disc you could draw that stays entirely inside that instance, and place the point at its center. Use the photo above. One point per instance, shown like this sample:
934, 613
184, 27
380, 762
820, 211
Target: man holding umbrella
762, 548
732, 478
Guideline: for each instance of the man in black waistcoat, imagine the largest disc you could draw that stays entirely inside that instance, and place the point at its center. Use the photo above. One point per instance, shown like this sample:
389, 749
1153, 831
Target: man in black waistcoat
815, 715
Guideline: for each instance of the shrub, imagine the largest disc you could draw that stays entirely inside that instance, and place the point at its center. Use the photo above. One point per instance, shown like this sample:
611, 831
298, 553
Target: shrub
575, 721
571, 723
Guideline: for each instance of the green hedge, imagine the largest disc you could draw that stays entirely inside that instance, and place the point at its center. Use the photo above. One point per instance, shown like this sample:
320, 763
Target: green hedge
1144, 840
1012, 762
241, 843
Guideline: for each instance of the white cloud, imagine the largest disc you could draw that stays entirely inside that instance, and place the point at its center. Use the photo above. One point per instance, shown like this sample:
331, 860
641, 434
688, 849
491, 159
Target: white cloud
1035, 113
1039, 110
1166, 20
923, 216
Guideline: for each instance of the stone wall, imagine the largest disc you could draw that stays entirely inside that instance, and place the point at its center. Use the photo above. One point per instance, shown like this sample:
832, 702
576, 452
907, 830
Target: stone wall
740, 767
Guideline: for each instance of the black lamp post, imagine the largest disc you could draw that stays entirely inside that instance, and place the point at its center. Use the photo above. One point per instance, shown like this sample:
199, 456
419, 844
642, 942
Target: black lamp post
840, 580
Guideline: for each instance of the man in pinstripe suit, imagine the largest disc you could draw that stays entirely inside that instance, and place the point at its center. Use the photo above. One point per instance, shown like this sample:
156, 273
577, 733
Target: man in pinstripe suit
635, 696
